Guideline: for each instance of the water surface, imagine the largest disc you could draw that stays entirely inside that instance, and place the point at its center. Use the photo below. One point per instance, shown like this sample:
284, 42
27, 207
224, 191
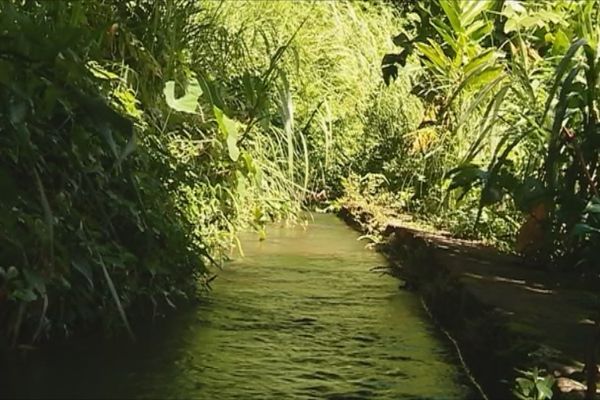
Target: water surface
299, 317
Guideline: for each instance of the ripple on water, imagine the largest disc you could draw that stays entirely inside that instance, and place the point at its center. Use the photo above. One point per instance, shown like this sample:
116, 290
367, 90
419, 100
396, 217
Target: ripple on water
300, 317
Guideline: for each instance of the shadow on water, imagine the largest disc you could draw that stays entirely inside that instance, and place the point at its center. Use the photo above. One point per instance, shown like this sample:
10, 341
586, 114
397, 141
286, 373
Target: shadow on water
299, 317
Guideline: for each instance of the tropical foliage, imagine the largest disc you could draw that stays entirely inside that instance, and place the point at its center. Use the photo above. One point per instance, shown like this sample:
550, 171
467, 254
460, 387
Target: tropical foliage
138, 136
512, 89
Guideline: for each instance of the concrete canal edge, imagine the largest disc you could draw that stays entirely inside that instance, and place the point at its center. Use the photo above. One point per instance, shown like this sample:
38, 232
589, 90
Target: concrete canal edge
491, 340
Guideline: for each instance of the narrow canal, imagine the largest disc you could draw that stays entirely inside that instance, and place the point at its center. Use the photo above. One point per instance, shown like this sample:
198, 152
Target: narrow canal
299, 317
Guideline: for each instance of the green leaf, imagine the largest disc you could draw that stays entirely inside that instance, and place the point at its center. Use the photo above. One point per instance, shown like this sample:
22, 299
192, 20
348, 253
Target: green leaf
476, 10
476, 26
35, 280
228, 128
445, 32
489, 118
25, 295
85, 269
512, 7
526, 385
487, 57
593, 207
434, 53
530, 21
584, 229
482, 93
113, 291
560, 71
560, 113
560, 43
483, 75
451, 10
482, 31
99, 72
188, 102
465, 176
544, 388
510, 25
241, 184
48, 216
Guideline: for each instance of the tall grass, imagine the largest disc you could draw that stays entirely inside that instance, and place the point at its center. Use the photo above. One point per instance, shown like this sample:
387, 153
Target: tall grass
153, 131
332, 67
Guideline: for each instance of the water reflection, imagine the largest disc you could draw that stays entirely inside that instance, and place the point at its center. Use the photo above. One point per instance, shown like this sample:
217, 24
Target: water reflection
299, 317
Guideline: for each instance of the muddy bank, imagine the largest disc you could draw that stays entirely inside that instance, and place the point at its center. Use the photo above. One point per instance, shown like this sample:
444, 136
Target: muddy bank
503, 314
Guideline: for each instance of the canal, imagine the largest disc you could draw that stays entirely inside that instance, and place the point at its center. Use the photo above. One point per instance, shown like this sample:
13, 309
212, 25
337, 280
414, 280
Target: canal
300, 316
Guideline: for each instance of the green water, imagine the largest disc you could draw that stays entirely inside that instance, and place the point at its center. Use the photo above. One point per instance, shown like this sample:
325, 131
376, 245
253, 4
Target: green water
299, 317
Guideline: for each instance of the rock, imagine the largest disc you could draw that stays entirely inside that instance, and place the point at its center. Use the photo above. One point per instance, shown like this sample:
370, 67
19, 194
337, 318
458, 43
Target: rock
567, 385
568, 371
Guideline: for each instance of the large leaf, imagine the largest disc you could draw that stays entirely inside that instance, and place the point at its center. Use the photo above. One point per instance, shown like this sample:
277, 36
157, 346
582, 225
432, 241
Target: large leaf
475, 10
228, 128
35, 280
188, 102
481, 31
483, 92
434, 53
483, 75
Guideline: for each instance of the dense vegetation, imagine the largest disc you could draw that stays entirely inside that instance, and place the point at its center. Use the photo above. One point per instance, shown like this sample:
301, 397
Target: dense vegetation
505, 142
138, 136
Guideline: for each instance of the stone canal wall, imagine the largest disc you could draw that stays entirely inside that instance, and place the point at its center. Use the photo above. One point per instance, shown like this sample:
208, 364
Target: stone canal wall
501, 314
